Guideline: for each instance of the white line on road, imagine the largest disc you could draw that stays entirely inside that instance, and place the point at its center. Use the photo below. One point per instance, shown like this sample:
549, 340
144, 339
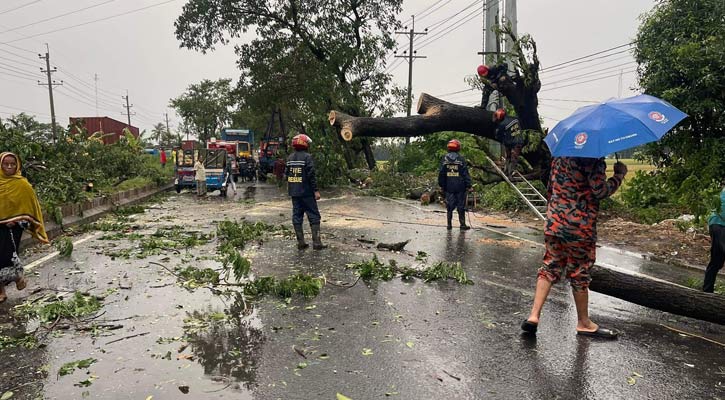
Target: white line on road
55, 253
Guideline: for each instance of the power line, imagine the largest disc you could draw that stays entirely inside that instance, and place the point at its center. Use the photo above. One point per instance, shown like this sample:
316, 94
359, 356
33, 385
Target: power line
587, 56
19, 7
424, 14
19, 62
456, 92
566, 71
18, 76
19, 56
451, 28
444, 20
571, 100
17, 70
93, 21
591, 80
58, 16
588, 74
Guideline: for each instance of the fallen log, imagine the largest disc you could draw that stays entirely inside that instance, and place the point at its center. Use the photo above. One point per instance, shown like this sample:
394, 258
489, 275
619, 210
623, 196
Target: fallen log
658, 294
436, 115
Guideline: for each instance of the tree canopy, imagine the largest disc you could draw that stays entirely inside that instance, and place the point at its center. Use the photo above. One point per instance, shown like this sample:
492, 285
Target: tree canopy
680, 49
206, 107
306, 57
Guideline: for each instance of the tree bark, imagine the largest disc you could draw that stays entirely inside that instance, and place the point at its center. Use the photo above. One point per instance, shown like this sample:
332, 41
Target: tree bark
369, 156
436, 115
658, 294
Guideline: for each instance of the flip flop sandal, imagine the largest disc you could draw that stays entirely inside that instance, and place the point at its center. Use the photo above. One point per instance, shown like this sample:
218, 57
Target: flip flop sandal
602, 333
529, 327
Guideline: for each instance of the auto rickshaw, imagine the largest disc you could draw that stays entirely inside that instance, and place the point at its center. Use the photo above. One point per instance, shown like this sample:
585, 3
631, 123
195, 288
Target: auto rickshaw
215, 163
184, 169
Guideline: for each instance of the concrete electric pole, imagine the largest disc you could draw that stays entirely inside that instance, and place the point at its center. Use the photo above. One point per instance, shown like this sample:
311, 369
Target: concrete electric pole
128, 109
48, 71
411, 54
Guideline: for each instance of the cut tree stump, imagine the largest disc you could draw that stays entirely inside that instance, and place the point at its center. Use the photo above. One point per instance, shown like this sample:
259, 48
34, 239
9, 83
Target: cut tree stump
658, 294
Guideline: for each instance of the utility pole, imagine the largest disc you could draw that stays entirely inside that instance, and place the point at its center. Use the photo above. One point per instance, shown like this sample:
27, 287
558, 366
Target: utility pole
128, 109
491, 46
619, 90
50, 85
168, 131
95, 80
411, 54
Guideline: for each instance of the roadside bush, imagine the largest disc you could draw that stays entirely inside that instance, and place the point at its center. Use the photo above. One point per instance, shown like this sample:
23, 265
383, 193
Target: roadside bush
654, 196
60, 171
501, 197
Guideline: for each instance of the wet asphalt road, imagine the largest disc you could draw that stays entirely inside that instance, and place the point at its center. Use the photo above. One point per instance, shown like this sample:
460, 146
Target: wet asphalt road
374, 340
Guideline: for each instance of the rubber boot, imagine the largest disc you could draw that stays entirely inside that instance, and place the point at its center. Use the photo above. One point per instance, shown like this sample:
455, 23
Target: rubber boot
462, 220
316, 241
301, 245
450, 220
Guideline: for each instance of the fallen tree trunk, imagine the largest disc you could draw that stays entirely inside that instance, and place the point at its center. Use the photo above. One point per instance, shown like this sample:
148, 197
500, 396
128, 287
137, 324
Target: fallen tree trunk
658, 294
436, 115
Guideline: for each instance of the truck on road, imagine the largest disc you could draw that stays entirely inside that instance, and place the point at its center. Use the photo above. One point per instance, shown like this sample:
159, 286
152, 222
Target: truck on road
245, 138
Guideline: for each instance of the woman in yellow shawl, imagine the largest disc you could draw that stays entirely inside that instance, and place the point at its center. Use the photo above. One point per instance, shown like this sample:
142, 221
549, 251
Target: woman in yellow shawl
19, 209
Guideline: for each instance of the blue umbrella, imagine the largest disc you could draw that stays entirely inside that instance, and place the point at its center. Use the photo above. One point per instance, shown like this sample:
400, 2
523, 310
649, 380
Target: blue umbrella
614, 125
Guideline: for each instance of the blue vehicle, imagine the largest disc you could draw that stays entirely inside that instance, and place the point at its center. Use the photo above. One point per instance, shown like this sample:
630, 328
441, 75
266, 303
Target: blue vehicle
217, 174
215, 163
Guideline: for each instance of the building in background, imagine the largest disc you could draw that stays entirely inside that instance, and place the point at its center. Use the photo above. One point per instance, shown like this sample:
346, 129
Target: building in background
112, 130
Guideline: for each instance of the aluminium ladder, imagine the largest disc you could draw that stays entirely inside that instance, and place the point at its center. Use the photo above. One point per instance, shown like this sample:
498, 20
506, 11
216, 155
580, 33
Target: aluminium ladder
531, 196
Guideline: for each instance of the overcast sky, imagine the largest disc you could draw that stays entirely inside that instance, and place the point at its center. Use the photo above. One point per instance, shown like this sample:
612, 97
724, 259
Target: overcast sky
138, 52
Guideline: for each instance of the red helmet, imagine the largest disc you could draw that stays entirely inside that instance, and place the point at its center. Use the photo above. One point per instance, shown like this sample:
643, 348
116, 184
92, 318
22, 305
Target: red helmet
454, 145
301, 142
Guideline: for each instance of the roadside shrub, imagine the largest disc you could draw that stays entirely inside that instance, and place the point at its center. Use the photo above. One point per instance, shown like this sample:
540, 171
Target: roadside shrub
501, 197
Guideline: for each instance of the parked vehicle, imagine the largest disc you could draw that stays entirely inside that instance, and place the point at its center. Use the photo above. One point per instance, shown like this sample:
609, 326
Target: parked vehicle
232, 148
244, 137
215, 161
184, 169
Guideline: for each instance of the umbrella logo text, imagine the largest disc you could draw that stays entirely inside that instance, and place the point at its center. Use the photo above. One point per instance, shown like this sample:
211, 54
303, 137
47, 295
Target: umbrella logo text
658, 117
580, 139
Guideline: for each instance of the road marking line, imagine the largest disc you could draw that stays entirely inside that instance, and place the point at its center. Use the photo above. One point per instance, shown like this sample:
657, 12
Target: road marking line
56, 253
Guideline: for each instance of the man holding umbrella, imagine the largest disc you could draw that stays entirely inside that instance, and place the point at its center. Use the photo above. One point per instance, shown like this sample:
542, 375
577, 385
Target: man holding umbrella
578, 183
576, 187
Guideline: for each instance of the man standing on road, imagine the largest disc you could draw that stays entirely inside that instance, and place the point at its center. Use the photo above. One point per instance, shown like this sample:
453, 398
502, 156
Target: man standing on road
200, 176
455, 181
302, 188
716, 224
576, 186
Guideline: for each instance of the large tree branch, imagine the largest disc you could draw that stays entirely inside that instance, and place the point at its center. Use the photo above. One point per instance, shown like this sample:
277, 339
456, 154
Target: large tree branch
436, 115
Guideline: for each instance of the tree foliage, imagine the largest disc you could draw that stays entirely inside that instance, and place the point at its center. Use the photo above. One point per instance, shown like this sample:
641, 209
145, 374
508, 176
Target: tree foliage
307, 57
206, 107
680, 49
59, 171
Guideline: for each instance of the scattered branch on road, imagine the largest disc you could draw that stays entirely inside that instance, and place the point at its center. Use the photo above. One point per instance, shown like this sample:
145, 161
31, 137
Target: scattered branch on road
128, 337
693, 335
375, 269
393, 246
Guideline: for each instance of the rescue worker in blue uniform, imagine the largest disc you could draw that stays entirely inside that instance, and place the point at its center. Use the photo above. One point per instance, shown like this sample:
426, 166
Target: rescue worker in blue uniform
455, 181
302, 188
